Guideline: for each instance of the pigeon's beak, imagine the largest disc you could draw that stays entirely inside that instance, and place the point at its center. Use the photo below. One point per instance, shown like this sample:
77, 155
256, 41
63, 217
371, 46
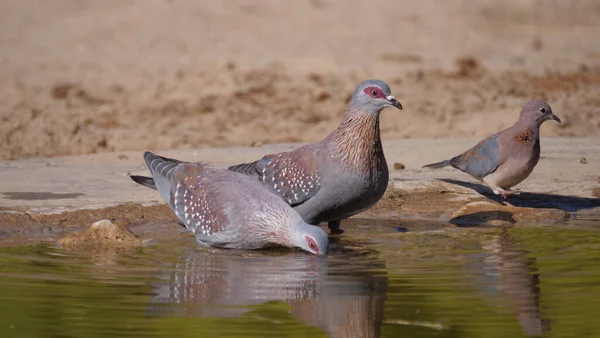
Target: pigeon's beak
555, 118
392, 100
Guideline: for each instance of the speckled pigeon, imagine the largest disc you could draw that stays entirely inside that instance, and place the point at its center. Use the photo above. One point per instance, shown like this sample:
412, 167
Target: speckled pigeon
229, 210
340, 176
505, 159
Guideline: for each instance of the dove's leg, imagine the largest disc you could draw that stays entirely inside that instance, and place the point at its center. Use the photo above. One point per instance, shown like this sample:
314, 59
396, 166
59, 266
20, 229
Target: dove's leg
501, 192
505, 194
334, 227
513, 192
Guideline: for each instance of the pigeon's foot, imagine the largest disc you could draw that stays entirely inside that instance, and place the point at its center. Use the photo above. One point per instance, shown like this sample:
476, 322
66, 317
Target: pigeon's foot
334, 228
338, 231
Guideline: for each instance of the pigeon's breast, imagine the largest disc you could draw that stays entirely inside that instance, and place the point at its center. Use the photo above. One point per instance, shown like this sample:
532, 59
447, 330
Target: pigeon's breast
343, 195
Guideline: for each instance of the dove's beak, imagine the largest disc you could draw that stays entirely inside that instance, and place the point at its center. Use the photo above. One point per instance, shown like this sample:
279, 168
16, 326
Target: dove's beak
555, 118
392, 100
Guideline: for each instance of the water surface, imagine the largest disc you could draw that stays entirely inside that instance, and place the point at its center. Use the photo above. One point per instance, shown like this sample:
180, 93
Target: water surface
376, 282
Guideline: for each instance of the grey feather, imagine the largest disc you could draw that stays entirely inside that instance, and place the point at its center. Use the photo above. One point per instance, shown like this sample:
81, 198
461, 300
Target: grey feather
246, 168
481, 160
438, 165
144, 180
162, 172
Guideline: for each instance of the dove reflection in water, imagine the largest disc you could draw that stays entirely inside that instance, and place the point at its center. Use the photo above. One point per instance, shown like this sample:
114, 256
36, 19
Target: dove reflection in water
515, 279
340, 297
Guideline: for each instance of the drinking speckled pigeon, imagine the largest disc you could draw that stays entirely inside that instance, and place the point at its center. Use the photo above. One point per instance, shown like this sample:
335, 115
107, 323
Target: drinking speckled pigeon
340, 176
229, 210
505, 159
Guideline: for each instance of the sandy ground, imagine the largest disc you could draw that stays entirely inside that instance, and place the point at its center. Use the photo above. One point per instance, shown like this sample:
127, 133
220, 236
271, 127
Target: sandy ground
80, 77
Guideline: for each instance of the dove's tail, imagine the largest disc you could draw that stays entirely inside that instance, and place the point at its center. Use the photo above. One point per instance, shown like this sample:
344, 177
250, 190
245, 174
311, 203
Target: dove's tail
438, 165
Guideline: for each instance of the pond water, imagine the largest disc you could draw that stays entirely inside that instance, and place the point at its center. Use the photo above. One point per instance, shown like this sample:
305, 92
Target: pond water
388, 278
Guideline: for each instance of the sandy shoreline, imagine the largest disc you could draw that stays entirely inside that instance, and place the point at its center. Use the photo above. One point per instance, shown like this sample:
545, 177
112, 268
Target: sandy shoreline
88, 85
46, 198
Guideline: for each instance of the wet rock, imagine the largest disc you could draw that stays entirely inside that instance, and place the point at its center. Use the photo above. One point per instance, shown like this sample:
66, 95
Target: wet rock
103, 232
476, 213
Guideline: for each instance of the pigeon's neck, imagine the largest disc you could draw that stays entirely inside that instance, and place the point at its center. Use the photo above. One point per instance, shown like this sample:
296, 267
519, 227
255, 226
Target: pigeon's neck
526, 132
271, 223
357, 141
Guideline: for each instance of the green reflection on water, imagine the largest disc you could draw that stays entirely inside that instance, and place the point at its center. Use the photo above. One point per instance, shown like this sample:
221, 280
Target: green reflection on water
455, 283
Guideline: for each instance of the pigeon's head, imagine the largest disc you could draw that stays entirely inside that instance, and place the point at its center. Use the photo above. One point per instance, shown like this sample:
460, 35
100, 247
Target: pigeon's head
538, 111
310, 238
372, 96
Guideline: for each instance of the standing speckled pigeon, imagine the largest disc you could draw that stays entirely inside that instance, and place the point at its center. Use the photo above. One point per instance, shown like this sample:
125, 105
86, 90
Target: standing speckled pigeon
505, 159
340, 176
229, 210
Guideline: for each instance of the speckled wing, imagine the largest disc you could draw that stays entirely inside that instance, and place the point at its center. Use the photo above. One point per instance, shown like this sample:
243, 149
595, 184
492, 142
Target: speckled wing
292, 174
195, 204
481, 160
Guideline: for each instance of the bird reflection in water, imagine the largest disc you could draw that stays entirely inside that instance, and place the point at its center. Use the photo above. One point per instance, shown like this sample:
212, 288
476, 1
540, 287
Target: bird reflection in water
338, 293
516, 281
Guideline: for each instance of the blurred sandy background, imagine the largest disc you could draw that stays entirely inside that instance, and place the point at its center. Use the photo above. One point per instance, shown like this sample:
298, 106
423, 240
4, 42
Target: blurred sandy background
84, 76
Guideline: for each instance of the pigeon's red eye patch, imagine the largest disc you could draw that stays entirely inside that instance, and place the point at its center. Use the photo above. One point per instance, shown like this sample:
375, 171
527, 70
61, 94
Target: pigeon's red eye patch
312, 244
374, 92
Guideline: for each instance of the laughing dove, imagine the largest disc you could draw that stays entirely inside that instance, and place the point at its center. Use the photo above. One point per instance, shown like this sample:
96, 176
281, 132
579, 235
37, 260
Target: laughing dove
340, 176
505, 159
229, 210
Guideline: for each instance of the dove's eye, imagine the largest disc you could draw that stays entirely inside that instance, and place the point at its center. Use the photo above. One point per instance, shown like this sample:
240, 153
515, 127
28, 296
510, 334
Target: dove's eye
543, 110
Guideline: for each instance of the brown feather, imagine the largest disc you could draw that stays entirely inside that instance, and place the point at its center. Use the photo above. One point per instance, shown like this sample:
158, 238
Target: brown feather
357, 141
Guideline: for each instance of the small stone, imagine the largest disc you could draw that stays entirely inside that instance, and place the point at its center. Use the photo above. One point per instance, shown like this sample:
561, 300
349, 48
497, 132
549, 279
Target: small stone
122, 157
60, 91
468, 67
583, 160
101, 232
420, 75
399, 166
117, 88
322, 96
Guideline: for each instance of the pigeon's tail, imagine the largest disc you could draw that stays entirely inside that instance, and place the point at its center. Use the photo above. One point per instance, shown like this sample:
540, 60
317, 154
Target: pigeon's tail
145, 181
245, 168
438, 165
162, 169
